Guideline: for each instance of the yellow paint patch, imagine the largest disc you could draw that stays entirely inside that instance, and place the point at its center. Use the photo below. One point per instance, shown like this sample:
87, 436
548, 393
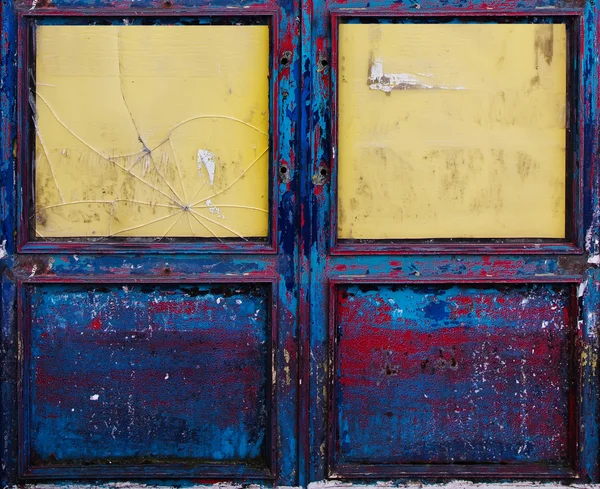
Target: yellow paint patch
152, 131
451, 131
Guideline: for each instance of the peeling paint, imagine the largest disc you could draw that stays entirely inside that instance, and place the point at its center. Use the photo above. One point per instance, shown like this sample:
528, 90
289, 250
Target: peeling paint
594, 259
452, 357
581, 288
325, 484
128, 339
386, 82
206, 159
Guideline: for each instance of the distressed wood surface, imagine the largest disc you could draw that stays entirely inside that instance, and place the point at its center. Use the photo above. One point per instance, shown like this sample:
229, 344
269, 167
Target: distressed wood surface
448, 374
148, 374
298, 261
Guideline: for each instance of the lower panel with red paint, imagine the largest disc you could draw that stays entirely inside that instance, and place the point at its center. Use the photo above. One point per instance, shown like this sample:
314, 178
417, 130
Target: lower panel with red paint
479, 375
146, 376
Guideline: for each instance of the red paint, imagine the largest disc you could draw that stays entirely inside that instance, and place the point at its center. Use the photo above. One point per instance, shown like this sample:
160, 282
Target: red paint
96, 323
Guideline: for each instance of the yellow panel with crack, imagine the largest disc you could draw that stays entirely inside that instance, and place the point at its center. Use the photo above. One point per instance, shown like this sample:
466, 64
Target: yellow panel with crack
152, 131
451, 131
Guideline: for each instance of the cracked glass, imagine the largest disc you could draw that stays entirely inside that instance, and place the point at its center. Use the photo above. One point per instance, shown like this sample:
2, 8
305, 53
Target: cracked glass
452, 131
151, 131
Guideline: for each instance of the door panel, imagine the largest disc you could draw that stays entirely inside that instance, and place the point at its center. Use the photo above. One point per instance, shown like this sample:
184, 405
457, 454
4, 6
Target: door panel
127, 375
452, 374
456, 130
148, 131
329, 240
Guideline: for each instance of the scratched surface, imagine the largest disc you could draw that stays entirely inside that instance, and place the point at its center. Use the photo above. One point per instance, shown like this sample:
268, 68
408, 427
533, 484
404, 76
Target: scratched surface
452, 131
152, 131
442, 374
148, 374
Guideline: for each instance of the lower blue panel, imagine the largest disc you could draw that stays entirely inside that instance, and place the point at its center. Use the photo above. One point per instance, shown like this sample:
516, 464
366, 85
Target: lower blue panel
146, 374
454, 374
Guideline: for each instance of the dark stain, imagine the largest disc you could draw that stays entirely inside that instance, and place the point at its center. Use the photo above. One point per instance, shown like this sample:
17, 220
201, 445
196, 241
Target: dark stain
544, 42
573, 264
390, 370
41, 217
524, 164
368, 288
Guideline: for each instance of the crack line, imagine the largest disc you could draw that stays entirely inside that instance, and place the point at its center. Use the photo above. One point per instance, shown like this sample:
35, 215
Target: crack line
172, 225
137, 129
198, 191
205, 227
178, 170
179, 201
231, 205
190, 224
146, 224
37, 132
108, 202
218, 224
212, 116
105, 158
119, 62
62, 199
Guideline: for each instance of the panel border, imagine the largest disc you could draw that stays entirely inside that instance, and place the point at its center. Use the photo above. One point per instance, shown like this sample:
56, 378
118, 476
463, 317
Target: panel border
211, 471
337, 471
575, 154
27, 21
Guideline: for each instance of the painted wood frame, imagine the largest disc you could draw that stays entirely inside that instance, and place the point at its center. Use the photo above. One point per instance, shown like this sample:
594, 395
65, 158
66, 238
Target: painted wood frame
574, 147
26, 140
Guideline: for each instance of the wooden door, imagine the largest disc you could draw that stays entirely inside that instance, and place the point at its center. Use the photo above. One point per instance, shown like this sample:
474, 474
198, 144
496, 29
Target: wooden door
149, 242
453, 286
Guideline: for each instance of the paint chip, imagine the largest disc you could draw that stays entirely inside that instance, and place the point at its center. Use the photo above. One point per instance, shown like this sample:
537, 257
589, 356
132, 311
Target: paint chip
95, 397
581, 288
207, 159
386, 82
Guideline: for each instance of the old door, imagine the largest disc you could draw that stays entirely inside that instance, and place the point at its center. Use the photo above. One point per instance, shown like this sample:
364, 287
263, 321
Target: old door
149, 241
281, 242
453, 298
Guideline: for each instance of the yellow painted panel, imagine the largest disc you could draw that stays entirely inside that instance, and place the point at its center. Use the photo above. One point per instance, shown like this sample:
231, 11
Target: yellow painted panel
451, 131
152, 131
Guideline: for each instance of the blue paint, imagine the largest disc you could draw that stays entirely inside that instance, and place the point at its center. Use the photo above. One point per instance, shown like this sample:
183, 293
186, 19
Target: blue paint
436, 310
159, 373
